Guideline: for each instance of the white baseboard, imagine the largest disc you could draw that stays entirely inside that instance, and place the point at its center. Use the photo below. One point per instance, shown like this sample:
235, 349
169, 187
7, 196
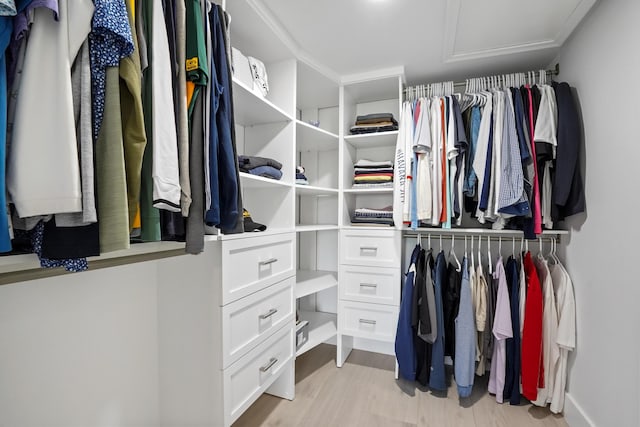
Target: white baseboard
574, 414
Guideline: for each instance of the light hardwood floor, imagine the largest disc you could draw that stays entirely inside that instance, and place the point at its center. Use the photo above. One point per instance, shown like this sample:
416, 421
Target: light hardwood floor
364, 393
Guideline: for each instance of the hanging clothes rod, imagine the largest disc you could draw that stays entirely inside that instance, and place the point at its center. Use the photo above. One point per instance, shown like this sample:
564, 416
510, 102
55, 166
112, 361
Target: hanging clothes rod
549, 73
495, 235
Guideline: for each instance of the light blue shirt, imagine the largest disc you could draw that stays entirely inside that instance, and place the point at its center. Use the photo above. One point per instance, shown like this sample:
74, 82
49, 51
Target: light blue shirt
465, 361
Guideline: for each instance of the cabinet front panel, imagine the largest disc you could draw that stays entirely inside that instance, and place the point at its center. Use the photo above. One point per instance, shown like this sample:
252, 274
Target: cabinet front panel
371, 248
249, 377
370, 284
372, 321
254, 263
250, 320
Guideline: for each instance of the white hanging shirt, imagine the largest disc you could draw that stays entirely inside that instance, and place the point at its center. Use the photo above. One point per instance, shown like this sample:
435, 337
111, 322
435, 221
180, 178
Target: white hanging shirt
422, 138
566, 338
402, 163
43, 172
166, 178
436, 160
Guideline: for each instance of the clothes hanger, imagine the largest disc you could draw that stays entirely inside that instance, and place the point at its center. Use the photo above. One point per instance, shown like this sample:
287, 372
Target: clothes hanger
489, 254
419, 240
513, 247
441, 243
429, 241
500, 246
473, 257
452, 253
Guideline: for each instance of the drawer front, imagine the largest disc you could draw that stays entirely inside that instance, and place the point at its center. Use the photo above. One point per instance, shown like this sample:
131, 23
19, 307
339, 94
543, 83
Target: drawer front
370, 248
372, 321
254, 263
370, 284
250, 320
252, 374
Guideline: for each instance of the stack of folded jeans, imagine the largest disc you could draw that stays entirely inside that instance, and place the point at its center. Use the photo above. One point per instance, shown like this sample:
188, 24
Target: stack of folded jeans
261, 166
371, 123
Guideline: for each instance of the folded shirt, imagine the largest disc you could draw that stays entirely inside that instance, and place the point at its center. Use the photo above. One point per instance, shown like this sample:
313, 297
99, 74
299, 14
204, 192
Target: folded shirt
369, 175
364, 163
361, 185
373, 179
247, 163
358, 130
384, 221
361, 171
375, 118
266, 171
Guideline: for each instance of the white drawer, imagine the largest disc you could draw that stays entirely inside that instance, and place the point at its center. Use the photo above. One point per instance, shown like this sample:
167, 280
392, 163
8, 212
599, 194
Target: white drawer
253, 318
370, 247
370, 284
372, 321
249, 377
254, 263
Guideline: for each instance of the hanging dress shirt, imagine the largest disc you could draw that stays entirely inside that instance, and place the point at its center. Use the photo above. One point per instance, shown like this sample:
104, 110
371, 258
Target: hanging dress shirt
512, 377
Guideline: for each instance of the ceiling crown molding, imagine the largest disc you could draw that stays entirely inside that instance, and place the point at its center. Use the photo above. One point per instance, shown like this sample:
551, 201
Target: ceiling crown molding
263, 11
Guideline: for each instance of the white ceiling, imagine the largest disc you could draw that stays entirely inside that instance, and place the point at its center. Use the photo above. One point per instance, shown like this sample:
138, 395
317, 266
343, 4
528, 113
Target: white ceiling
434, 40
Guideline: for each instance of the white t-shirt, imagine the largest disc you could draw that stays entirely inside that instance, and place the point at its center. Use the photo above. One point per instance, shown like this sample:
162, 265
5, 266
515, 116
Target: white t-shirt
566, 337
405, 131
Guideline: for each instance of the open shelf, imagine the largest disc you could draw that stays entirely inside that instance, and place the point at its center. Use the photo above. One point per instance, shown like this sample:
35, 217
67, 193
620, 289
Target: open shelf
255, 181
251, 109
311, 281
322, 327
316, 227
310, 190
370, 140
313, 138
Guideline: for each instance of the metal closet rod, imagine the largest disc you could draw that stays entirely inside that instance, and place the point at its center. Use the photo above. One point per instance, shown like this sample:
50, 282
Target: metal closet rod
493, 235
550, 73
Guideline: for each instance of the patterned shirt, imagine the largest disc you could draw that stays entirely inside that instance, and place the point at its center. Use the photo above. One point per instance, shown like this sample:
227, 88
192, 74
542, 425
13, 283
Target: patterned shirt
110, 41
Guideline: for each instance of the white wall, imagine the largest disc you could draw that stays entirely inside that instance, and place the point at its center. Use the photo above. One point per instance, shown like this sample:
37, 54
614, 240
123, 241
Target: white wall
80, 349
602, 62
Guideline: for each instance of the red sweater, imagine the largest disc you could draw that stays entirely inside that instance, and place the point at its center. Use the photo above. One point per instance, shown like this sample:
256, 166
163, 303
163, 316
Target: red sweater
532, 332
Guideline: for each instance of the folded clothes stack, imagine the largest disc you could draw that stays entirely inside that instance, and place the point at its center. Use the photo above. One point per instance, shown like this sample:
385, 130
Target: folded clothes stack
371, 123
369, 174
368, 216
261, 166
301, 178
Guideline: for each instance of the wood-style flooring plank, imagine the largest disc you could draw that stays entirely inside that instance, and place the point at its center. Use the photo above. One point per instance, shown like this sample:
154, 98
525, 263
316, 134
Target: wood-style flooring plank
364, 393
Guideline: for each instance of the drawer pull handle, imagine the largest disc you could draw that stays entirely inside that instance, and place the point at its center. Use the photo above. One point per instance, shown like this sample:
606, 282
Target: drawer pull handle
368, 285
269, 365
268, 261
269, 313
369, 248
368, 322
